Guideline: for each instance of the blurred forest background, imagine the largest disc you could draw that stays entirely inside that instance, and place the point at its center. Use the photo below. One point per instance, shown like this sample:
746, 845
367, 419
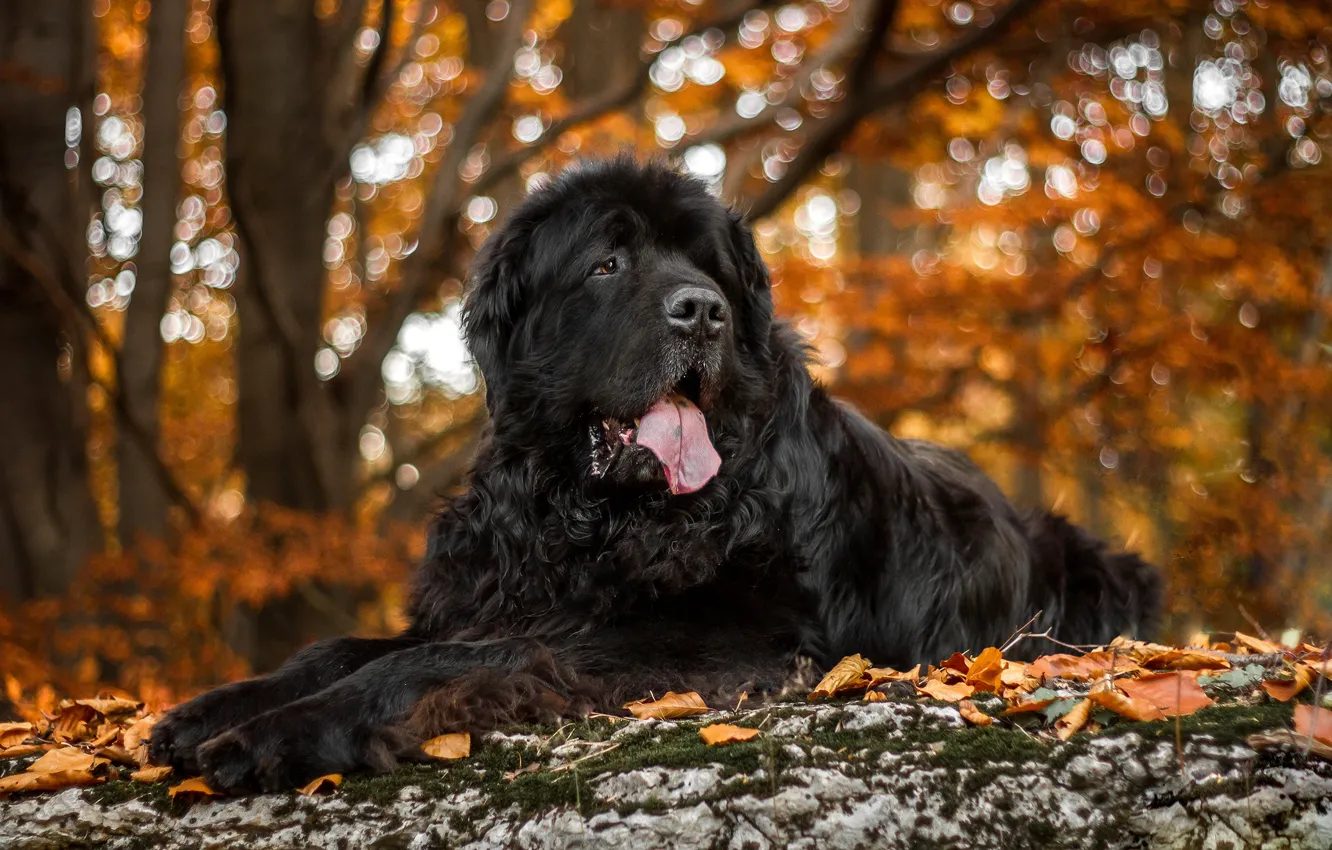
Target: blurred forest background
1089, 242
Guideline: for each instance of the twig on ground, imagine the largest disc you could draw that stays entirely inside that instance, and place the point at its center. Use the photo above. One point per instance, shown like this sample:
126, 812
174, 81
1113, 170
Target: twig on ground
1019, 631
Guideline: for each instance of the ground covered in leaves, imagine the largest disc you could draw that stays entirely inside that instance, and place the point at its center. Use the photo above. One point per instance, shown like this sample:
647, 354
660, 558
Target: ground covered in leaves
1219, 743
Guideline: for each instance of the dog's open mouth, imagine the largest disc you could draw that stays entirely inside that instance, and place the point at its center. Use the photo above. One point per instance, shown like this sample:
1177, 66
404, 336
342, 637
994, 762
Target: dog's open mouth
675, 430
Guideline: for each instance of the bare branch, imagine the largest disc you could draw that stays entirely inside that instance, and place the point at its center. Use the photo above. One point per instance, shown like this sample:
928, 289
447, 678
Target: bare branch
611, 101
840, 45
892, 89
79, 318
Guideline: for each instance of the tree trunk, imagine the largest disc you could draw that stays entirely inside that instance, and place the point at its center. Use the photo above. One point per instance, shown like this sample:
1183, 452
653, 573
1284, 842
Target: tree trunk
143, 497
281, 164
48, 521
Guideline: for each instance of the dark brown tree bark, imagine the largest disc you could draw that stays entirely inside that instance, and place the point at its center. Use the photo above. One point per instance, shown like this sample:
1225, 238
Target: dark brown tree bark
143, 497
48, 521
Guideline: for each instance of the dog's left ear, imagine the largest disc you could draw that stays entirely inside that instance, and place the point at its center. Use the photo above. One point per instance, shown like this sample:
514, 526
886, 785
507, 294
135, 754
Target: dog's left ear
491, 308
757, 315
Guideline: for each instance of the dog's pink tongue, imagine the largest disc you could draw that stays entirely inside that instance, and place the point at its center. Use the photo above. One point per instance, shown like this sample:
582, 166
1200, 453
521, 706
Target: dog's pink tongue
676, 432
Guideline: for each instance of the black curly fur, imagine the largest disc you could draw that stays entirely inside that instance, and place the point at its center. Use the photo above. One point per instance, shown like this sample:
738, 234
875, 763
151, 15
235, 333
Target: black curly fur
562, 580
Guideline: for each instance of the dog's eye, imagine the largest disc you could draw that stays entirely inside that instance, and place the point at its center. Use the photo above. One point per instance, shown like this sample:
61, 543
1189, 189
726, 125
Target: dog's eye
607, 266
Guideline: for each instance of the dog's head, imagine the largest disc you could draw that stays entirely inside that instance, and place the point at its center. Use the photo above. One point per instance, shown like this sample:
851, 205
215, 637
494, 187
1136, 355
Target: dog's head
621, 317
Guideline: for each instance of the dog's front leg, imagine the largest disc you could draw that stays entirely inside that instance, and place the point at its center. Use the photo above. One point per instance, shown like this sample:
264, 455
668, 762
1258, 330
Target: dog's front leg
354, 723
177, 736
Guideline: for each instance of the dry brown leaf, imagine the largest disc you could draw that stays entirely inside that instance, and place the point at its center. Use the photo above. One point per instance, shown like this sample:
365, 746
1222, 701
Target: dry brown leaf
875, 696
54, 781
455, 745
106, 736
63, 759
846, 675
1186, 659
972, 714
670, 706
957, 661
23, 750
151, 774
1173, 693
13, 734
1068, 725
946, 692
137, 735
1199, 640
110, 705
1015, 676
879, 675
1136, 650
71, 723
1080, 668
1257, 645
119, 755
193, 786
724, 733
1125, 706
314, 786
1286, 690
986, 670
1314, 722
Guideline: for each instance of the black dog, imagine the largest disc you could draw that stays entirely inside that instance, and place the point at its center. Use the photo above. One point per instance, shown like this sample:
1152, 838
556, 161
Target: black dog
666, 501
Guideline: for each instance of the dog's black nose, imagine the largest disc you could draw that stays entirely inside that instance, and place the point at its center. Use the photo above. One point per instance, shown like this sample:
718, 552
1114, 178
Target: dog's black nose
696, 310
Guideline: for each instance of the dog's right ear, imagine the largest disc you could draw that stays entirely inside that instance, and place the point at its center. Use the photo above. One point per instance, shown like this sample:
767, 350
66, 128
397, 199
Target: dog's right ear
490, 311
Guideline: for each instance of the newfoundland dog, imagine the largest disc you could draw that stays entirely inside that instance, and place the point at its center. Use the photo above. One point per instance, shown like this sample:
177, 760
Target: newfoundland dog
665, 501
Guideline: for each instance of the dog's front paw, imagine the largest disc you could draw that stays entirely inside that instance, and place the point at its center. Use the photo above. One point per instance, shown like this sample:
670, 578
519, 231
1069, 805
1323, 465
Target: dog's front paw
278, 751
175, 738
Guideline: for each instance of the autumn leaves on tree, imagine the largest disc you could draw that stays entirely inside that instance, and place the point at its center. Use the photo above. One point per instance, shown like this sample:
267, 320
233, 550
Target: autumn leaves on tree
1087, 242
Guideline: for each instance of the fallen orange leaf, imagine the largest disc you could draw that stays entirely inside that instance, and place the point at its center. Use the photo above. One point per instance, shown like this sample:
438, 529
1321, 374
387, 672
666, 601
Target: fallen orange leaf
1125, 706
1186, 659
151, 774
1286, 690
71, 723
1201, 640
724, 733
110, 705
1314, 722
1173, 693
22, 750
986, 670
1258, 645
972, 714
879, 675
670, 706
943, 691
13, 734
1068, 725
846, 675
63, 759
957, 661
455, 745
875, 696
1028, 706
314, 786
193, 786
54, 781
1080, 668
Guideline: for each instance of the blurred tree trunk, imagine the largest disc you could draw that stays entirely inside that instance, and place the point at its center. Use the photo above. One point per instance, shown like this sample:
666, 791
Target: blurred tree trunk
48, 521
281, 166
884, 189
143, 498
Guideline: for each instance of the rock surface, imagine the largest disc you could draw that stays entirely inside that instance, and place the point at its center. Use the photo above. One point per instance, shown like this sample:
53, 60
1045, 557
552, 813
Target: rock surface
881, 775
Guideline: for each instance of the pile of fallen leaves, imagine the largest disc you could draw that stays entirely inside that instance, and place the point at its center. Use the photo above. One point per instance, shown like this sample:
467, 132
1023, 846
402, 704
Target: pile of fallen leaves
1128, 679
88, 741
